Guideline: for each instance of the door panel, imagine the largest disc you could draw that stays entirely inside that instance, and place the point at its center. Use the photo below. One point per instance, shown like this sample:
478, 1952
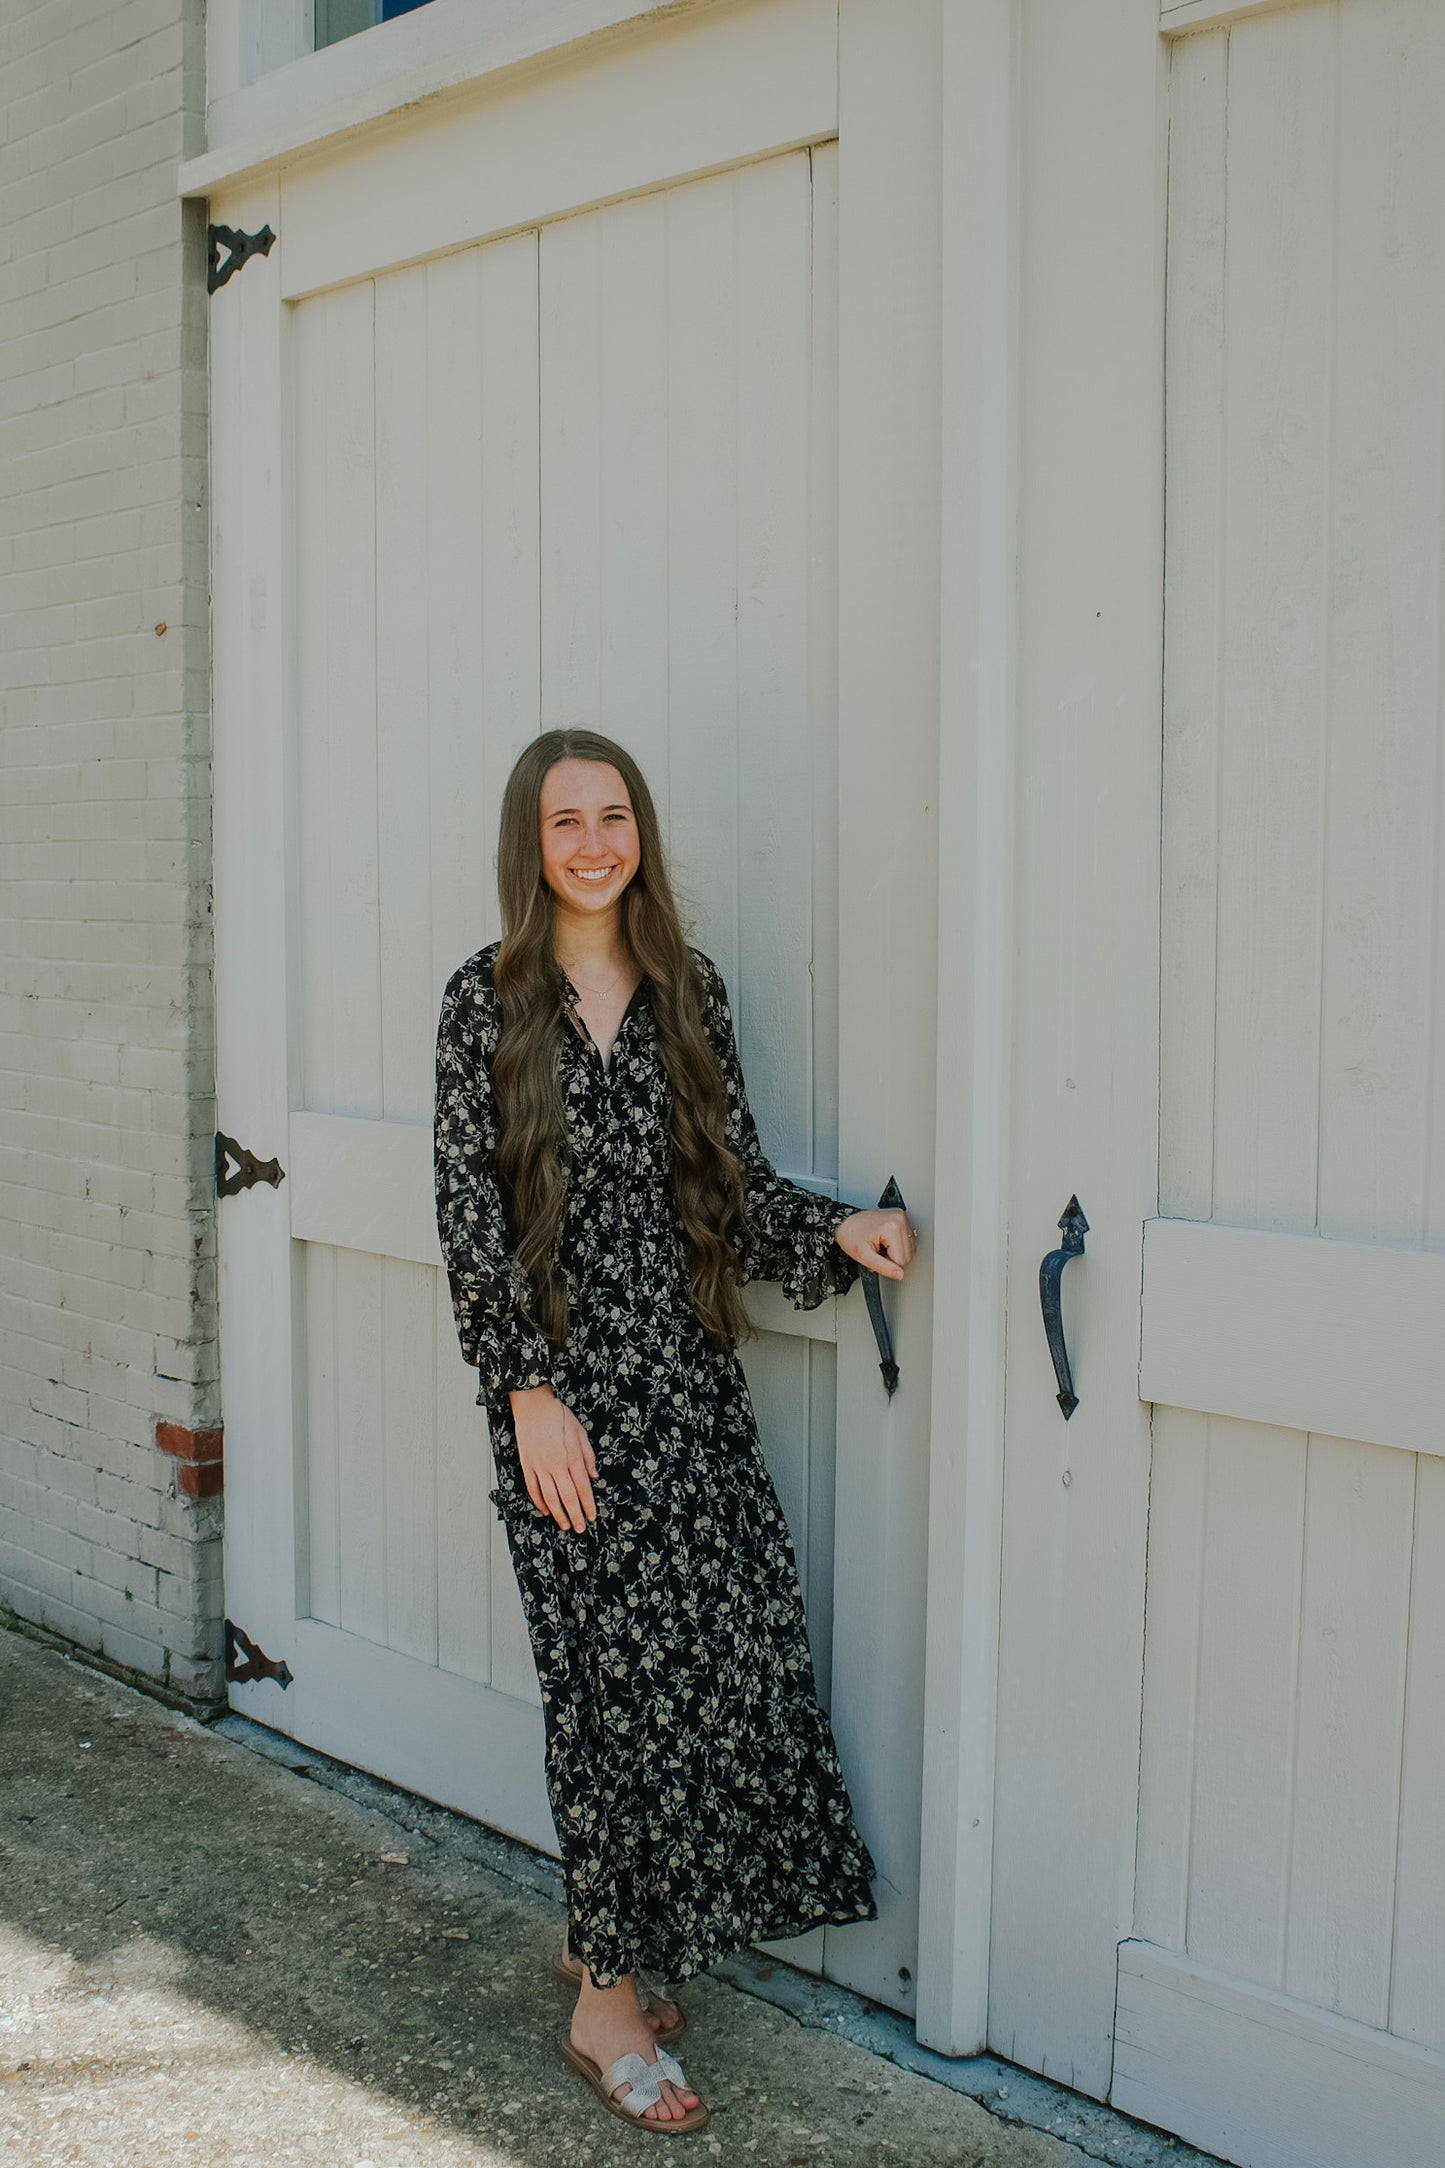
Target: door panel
585, 473
1293, 1610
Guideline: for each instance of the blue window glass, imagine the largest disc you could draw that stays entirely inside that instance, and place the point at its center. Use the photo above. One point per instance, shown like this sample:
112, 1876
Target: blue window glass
338, 19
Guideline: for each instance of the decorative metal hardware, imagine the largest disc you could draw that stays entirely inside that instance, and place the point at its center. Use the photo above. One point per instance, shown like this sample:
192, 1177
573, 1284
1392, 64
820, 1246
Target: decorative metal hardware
241, 246
249, 1168
1051, 1273
258, 1665
892, 1199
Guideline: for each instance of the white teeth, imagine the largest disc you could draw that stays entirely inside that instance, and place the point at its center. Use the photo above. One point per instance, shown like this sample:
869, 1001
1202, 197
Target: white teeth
601, 873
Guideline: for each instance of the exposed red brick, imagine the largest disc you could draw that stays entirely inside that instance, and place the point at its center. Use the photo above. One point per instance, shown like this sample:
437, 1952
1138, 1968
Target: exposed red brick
199, 1454
199, 1479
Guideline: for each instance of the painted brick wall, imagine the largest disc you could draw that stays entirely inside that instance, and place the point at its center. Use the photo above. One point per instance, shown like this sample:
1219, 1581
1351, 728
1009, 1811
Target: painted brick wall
107, 1306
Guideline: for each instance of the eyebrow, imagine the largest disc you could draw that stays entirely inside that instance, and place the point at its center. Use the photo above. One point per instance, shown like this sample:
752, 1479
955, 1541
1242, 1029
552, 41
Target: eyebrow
558, 811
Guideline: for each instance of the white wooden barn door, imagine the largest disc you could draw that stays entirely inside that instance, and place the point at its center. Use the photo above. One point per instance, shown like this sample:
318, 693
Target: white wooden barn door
584, 472
1256, 1956
1283, 2000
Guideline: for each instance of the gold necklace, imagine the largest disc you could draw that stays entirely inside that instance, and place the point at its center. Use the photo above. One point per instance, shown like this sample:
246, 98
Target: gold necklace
598, 993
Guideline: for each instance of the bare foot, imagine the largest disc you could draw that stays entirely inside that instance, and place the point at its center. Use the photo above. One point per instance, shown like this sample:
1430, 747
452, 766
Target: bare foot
608, 2022
660, 2014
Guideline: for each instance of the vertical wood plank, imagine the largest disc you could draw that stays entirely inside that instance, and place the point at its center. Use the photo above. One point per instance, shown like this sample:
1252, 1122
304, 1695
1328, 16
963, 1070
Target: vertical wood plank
773, 1006
1386, 455
1280, 304
351, 1059
1354, 1625
1248, 1671
1178, 1535
312, 751
464, 1512
459, 638
822, 1417
822, 659
361, 1458
1417, 1983
631, 566
702, 532
321, 1486
570, 307
1193, 684
403, 696
511, 573
408, 1425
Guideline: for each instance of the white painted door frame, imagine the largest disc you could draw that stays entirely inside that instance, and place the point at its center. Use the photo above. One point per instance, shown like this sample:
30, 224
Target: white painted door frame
978, 190
1079, 210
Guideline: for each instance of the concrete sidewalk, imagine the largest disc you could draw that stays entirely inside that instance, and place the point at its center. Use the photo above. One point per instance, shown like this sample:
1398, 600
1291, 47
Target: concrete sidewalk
206, 1957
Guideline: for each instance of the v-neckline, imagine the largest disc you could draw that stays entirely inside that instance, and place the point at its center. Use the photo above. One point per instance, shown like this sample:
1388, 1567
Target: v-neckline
572, 998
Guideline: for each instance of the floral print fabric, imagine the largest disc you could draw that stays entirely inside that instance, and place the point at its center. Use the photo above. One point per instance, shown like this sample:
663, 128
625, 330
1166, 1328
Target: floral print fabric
693, 1777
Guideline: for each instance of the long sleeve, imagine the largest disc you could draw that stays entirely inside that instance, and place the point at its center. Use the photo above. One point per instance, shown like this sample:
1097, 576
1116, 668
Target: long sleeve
790, 1229
497, 1336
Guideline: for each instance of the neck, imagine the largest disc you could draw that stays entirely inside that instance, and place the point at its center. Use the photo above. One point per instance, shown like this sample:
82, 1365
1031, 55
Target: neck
593, 942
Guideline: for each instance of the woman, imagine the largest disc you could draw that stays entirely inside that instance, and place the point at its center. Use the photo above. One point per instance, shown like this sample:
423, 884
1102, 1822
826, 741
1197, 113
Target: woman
601, 1197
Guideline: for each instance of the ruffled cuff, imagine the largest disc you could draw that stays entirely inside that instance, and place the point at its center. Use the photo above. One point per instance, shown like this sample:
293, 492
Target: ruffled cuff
817, 1267
510, 1357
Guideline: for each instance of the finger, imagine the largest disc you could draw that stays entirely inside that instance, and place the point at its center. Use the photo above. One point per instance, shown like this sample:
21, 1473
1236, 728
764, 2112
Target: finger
584, 1445
583, 1489
571, 1503
554, 1502
533, 1492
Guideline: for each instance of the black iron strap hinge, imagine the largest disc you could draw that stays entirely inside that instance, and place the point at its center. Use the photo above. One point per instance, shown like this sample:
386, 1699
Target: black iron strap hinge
241, 247
249, 1168
257, 1665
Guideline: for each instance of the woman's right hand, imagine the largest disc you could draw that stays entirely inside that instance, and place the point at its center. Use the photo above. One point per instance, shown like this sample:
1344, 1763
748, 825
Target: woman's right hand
558, 1463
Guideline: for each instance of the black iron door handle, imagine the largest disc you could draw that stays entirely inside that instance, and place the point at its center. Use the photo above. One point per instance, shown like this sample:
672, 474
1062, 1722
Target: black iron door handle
1051, 1273
891, 1200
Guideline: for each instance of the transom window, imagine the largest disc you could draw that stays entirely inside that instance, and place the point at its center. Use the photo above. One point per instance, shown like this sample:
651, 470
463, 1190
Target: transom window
337, 19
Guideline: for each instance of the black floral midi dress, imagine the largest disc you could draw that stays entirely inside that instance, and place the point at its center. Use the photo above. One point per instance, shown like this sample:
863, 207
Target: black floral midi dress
693, 1778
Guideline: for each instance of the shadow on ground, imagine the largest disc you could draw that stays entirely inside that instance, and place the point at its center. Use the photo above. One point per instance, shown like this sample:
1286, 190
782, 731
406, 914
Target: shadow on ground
204, 1957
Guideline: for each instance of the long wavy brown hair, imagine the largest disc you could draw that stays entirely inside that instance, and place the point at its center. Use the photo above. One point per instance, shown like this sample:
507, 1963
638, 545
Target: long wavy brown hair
532, 1155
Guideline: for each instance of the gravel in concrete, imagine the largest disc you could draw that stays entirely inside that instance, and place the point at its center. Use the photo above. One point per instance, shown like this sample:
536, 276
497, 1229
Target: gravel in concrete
207, 1958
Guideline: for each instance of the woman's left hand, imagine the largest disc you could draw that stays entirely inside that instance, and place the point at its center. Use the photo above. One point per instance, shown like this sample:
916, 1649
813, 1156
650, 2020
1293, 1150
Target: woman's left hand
883, 1241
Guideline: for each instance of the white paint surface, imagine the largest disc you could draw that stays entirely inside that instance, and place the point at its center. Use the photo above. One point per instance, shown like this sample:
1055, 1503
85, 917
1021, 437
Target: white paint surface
588, 472
1265, 2080
1291, 1310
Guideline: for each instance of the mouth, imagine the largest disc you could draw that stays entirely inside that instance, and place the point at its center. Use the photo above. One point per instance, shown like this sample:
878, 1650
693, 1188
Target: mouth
592, 876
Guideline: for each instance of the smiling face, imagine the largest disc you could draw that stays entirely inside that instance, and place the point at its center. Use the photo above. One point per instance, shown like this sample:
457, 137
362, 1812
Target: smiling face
590, 844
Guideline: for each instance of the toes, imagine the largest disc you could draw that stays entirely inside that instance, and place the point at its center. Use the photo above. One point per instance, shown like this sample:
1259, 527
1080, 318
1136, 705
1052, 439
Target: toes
668, 2108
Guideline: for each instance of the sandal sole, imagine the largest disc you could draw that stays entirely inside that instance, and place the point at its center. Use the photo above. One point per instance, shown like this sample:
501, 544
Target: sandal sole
680, 2125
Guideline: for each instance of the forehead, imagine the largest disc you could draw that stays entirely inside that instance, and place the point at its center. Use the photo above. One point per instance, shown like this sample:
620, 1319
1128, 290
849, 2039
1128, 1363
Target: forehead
582, 785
